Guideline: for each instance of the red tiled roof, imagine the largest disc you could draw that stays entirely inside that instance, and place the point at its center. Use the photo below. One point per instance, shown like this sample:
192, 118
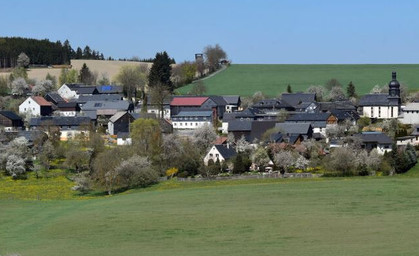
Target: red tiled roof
188, 101
41, 101
220, 140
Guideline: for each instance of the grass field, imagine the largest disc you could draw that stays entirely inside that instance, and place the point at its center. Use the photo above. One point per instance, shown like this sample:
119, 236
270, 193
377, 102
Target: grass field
273, 79
352, 216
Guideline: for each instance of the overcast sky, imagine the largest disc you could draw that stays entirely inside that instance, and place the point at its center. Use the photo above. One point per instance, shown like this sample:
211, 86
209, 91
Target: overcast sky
263, 31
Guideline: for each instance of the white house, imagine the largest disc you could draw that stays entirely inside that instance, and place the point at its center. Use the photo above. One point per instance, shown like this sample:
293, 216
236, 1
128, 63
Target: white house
191, 119
410, 114
220, 152
382, 106
36, 106
375, 140
73, 91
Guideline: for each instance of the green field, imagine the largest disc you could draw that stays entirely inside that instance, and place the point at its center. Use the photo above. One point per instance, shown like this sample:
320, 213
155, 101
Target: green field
352, 216
272, 80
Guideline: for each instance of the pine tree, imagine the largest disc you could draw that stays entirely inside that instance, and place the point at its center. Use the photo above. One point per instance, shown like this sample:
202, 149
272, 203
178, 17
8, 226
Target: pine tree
160, 72
289, 89
350, 90
85, 75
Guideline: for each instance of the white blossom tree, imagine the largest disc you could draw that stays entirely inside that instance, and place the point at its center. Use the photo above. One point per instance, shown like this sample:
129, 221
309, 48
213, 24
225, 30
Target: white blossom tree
18, 86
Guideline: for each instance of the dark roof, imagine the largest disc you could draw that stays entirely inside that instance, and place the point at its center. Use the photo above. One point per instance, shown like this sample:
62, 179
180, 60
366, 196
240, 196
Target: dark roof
247, 113
67, 105
379, 99
86, 90
194, 114
123, 135
54, 97
276, 137
232, 99
10, 115
60, 120
309, 117
239, 125
259, 127
30, 136
336, 105
272, 104
227, 153
219, 100
295, 99
109, 89
98, 97
117, 104
293, 128
345, 114
374, 137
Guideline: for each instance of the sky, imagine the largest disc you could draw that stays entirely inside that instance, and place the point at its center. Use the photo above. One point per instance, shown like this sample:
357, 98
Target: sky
250, 31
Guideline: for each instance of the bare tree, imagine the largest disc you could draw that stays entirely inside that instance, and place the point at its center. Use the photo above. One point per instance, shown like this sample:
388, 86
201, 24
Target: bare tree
133, 78
158, 94
214, 54
23, 60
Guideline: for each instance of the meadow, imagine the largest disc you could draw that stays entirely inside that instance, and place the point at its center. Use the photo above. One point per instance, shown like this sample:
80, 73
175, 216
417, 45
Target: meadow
272, 80
325, 216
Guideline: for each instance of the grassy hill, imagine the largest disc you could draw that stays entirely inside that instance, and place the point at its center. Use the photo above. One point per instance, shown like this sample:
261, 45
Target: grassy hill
353, 216
273, 79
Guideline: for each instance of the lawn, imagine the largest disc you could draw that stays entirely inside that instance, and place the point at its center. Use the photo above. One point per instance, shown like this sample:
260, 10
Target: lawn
339, 216
273, 79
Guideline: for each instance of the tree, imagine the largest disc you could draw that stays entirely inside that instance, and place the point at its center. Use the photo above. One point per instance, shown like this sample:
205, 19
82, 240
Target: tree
76, 159
333, 83
337, 94
53, 79
350, 90
47, 154
160, 71
289, 89
15, 166
198, 88
261, 158
42, 87
4, 86
342, 160
146, 137
68, 76
104, 80
85, 76
18, 72
318, 90
213, 56
284, 160
23, 60
158, 94
19, 86
132, 78
204, 138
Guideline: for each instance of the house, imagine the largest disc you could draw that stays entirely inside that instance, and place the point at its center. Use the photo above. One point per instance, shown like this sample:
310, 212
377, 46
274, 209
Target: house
410, 113
70, 91
272, 106
319, 121
233, 103
296, 99
216, 104
251, 130
36, 106
68, 108
292, 133
192, 119
405, 140
54, 98
105, 109
82, 99
156, 108
70, 126
382, 105
375, 140
9, 121
109, 89
120, 122
219, 152
342, 110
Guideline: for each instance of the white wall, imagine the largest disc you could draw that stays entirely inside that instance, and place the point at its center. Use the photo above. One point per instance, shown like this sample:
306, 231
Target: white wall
410, 117
66, 92
189, 125
30, 107
213, 154
380, 112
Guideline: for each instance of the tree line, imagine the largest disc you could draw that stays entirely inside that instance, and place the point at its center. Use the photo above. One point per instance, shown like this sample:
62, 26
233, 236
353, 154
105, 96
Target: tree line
42, 52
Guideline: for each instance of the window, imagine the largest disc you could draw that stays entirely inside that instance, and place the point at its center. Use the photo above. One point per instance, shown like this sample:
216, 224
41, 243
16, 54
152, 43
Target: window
372, 111
211, 155
391, 110
217, 155
379, 111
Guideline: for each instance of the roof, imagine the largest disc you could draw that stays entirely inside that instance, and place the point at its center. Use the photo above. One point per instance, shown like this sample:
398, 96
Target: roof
345, 114
272, 104
10, 115
116, 105
220, 140
123, 135
239, 125
378, 99
118, 115
225, 152
412, 107
232, 99
247, 113
55, 97
194, 113
60, 120
98, 97
108, 89
67, 105
219, 100
336, 105
188, 101
41, 101
374, 137
308, 117
86, 90
293, 128
259, 127
295, 99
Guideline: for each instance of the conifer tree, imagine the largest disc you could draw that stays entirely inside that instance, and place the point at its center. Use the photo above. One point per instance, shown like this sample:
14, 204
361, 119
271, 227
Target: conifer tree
160, 72
350, 90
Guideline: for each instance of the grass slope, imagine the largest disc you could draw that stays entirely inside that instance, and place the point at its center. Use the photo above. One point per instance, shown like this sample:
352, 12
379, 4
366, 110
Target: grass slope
273, 79
356, 216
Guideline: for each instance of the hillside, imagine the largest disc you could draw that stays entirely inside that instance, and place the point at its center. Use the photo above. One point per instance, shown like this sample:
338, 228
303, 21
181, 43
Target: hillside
357, 216
108, 67
273, 79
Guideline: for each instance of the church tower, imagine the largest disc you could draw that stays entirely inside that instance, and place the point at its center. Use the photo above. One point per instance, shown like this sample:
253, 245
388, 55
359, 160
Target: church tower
394, 90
